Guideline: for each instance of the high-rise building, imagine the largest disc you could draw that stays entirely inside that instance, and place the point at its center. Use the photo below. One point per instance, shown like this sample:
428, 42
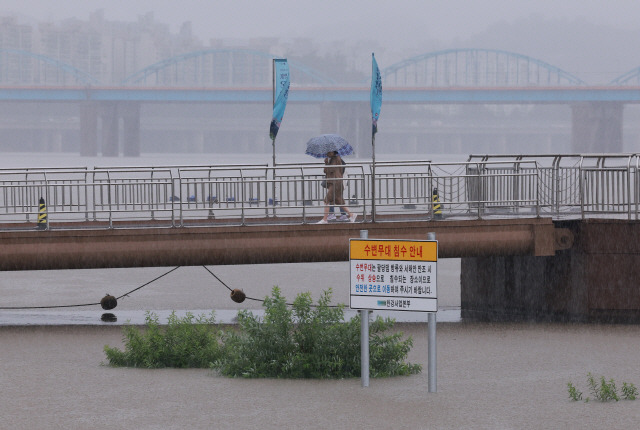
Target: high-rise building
15, 38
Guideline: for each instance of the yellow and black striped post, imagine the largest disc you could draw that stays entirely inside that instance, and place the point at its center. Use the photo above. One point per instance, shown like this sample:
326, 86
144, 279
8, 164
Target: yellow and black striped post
42, 215
437, 209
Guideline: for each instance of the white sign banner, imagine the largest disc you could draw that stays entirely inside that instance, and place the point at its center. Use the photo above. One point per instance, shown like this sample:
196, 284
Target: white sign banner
393, 275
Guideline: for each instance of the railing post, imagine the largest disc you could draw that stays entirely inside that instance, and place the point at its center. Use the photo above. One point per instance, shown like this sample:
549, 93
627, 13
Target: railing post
629, 187
479, 195
241, 196
86, 198
273, 190
172, 190
555, 183
581, 187
537, 176
109, 199
303, 195
180, 197
47, 199
636, 184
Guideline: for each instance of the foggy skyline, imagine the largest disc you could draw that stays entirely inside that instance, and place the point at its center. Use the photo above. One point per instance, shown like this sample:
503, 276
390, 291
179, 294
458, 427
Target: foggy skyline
334, 19
594, 40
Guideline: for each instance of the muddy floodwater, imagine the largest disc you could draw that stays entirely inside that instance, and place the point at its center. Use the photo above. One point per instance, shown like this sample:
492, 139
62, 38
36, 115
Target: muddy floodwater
489, 376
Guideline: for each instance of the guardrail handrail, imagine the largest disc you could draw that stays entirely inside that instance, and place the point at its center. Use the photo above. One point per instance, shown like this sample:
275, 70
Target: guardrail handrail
488, 185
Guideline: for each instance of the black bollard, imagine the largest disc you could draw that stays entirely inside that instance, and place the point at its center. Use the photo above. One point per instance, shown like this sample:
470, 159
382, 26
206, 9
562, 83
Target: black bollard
108, 302
42, 215
238, 295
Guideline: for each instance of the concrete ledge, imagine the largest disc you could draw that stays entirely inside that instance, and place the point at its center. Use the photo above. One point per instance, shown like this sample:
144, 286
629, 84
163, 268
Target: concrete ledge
190, 246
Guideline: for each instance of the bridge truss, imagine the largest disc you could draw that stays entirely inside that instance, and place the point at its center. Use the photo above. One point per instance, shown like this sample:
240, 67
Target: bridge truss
251, 68
220, 68
212, 68
632, 77
18, 67
476, 68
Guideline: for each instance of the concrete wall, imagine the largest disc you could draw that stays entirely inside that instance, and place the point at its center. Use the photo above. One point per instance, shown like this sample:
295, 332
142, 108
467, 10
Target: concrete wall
596, 280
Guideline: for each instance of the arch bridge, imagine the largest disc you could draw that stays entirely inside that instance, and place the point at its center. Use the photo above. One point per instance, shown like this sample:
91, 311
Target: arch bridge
109, 117
252, 68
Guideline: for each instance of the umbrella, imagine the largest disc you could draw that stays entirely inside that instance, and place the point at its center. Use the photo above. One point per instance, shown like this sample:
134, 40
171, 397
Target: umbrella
319, 146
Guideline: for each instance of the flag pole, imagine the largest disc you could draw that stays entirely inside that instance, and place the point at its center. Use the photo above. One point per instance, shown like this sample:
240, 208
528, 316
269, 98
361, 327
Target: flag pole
373, 177
274, 87
376, 103
280, 94
273, 184
273, 139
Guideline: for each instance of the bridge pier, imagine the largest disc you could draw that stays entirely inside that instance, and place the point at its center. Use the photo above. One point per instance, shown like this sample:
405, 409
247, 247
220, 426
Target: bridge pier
596, 127
110, 135
103, 118
594, 280
88, 129
130, 113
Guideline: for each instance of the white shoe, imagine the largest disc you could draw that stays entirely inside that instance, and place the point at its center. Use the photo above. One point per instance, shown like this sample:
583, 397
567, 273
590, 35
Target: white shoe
322, 221
331, 217
343, 218
353, 217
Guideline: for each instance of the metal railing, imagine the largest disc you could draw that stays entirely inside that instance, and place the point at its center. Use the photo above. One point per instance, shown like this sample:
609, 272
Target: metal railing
62, 190
133, 195
560, 186
585, 185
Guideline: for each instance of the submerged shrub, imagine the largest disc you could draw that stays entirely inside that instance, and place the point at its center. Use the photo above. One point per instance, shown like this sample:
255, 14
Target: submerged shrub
183, 342
301, 341
309, 342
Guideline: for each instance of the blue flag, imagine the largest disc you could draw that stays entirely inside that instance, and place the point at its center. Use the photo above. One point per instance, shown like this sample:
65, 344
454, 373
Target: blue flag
281, 88
376, 93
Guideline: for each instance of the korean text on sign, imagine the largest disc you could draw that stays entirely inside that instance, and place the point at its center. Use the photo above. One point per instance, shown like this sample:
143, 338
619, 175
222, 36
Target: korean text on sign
389, 274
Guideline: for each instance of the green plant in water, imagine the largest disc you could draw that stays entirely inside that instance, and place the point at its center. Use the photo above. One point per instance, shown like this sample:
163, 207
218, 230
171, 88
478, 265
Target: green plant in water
605, 391
574, 394
629, 391
183, 342
304, 341
309, 341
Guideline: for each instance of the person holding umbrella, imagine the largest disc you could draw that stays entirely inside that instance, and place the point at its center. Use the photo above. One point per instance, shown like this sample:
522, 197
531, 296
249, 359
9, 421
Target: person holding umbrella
331, 147
335, 188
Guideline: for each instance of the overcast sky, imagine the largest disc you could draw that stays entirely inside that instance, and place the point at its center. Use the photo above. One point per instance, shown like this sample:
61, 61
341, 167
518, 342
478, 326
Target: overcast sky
396, 20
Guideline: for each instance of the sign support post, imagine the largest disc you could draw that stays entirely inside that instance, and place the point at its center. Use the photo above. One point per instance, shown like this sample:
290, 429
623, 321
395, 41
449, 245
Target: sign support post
364, 335
431, 321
